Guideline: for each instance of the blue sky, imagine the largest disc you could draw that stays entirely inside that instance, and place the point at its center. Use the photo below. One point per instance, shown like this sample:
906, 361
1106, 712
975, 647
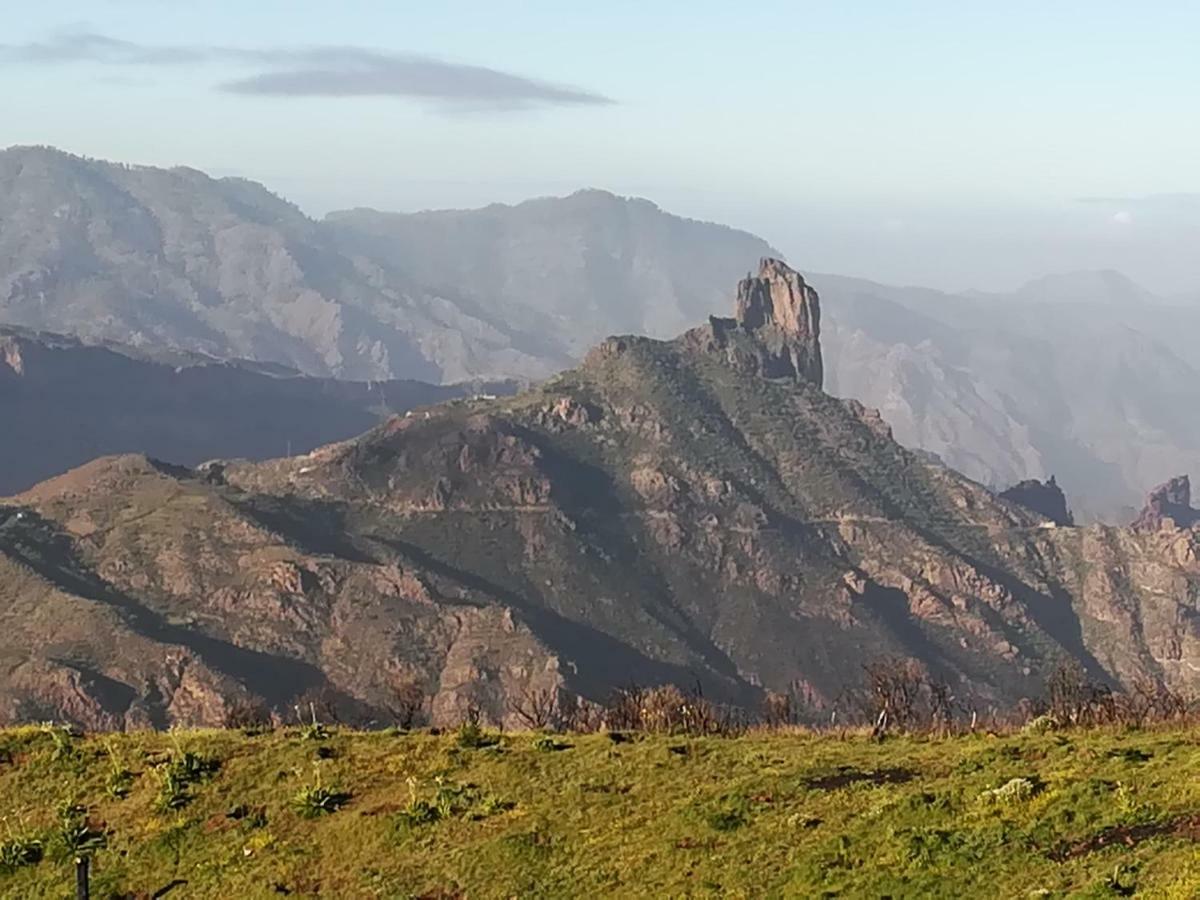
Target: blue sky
940, 143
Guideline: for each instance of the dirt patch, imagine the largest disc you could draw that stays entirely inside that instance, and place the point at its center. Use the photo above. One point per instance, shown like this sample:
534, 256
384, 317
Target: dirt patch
1186, 827
846, 776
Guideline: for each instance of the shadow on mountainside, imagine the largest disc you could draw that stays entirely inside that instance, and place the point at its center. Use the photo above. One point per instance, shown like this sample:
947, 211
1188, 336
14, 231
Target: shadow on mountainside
278, 680
602, 662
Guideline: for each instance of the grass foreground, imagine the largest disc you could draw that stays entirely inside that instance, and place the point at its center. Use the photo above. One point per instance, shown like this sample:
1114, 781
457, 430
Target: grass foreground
306, 812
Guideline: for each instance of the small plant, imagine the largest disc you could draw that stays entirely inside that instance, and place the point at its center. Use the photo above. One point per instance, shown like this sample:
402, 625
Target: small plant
63, 737
312, 730
79, 837
313, 800
1042, 724
491, 805
19, 849
182, 771
1012, 792
472, 737
172, 791
450, 800
548, 744
120, 779
726, 820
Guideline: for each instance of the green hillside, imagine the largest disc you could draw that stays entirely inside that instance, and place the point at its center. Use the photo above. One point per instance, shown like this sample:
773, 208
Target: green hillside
307, 812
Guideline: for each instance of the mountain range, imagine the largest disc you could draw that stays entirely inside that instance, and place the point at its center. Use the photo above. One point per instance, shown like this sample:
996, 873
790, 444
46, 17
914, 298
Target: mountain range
696, 511
64, 402
1084, 376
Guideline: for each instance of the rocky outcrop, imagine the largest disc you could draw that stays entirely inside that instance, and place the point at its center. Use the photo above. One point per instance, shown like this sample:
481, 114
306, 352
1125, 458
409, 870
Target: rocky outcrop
784, 314
1169, 505
1043, 497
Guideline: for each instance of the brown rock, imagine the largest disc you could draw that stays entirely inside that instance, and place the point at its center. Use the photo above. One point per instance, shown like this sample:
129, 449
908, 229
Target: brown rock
1169, 504
785, 313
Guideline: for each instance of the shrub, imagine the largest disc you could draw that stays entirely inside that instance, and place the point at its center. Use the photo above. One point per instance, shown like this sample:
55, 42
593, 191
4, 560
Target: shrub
79, 837
1042, 724
19, 850
472, 737
247, 716
63, 737
726, 820
1012, 792
313, 800
450, 800
183, 770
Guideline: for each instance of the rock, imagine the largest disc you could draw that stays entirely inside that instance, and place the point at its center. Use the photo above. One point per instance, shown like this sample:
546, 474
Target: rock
785, 313
1043, 497
1168, 504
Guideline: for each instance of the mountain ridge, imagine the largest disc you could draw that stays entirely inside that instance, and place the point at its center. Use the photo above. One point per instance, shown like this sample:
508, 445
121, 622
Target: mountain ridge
669, 511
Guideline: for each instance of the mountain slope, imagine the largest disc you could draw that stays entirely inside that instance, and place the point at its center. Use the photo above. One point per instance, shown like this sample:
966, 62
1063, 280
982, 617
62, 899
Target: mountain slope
1021, 386
63, 403
697, 510
174, 258
572, 269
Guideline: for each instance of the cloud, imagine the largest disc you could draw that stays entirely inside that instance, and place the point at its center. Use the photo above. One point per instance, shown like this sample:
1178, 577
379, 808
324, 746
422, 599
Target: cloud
370, 74
328, 71
1122, 217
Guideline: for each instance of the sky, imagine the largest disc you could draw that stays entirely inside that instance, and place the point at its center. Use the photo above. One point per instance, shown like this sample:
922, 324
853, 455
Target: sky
950, 143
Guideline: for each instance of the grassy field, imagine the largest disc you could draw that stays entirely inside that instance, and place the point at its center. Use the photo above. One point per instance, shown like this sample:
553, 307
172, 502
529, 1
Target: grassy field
306, 812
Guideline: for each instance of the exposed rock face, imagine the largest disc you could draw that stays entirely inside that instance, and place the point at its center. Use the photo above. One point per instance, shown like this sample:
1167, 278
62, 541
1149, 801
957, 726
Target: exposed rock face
1044, 497
1169, 504
785, 314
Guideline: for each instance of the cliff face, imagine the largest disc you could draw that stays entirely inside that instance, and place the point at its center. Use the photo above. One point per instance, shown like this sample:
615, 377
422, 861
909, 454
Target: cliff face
689, 510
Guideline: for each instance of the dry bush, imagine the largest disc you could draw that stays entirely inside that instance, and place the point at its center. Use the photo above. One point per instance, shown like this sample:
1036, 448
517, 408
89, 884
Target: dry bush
539, 709
407, 707
247, 714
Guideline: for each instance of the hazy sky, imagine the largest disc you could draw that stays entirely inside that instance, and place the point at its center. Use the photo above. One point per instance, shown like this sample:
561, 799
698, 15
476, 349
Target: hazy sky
949, 143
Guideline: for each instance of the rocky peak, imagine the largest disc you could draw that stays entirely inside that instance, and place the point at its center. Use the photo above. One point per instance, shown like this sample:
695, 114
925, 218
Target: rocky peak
1043, 497
785, 314
1169, 503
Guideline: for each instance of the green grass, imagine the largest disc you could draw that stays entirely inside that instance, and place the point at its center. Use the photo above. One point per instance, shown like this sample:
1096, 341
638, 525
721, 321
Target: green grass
1083, 814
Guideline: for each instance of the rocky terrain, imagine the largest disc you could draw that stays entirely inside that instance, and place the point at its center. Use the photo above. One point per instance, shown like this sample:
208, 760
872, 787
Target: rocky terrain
63, 403
696, 511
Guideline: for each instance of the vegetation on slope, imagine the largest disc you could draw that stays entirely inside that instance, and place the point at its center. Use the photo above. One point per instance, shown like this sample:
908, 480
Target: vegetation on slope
1086, 813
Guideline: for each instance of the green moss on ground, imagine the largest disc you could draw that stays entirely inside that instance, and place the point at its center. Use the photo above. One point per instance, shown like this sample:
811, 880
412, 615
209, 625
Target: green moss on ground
1088, 814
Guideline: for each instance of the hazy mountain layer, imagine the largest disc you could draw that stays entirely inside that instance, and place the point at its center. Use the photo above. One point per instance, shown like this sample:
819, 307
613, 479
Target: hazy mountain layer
222, 266
63, 403
1096, 392
696, 510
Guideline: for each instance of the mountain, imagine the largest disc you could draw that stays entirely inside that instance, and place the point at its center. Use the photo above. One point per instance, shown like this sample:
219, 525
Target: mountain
174, 258
570, 269
63, 403
1031, 384
696, 511
1084, 375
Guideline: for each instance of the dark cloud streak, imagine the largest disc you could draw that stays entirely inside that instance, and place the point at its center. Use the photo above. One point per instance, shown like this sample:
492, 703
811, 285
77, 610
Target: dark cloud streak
317, 72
